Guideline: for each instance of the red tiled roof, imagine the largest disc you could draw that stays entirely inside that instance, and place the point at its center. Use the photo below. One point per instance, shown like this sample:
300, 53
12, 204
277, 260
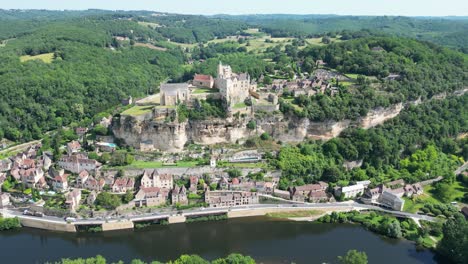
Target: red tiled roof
202, 77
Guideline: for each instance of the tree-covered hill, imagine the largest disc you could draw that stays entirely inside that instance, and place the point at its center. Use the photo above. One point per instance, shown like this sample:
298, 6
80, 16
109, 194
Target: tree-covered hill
87, 75
444, 31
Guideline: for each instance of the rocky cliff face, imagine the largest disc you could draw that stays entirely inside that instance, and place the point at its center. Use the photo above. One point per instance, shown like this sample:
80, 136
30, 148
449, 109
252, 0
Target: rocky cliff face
172, 136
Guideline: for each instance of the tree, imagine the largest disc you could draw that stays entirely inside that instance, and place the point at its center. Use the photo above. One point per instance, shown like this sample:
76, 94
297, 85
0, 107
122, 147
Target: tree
235, 259
394, 229
233, 173
251, 125
265, 136
128, 197
108, 200
354, 257
454, 243
190, 259
443, 192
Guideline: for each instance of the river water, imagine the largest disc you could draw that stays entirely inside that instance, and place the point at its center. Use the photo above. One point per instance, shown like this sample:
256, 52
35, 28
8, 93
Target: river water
268, 241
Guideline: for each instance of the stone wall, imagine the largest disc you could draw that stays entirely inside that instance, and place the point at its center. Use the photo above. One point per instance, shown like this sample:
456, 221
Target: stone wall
37, 223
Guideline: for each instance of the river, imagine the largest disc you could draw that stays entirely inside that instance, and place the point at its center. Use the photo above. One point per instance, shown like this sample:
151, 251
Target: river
268, 241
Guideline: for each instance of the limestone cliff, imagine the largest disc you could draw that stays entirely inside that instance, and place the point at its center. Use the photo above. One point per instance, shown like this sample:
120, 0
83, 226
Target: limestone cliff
158, 130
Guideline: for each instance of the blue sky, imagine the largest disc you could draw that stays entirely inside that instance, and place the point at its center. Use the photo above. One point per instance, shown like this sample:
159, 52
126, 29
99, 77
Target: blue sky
341, 7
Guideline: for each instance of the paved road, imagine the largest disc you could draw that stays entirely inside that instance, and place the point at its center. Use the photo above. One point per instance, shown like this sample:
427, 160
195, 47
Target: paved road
201, 211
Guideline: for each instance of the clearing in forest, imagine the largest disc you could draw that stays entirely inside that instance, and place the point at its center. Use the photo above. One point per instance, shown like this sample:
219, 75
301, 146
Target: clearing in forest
46, 57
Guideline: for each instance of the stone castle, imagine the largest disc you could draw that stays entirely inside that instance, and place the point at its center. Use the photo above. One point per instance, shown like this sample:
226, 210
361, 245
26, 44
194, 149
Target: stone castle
234, 88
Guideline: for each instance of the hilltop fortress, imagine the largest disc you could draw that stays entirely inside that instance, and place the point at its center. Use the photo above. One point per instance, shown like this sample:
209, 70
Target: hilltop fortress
154, 123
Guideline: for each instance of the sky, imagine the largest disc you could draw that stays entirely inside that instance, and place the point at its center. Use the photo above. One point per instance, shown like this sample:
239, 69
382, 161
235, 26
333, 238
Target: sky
209, 7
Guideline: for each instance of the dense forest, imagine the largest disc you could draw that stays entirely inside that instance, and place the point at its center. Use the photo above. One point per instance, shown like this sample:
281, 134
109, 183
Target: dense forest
62, 67
86, 74
417, 145
443, 31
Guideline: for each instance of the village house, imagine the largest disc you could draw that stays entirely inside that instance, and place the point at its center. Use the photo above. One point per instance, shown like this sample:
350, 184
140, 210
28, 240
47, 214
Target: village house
237, 185
304, 190
46, 162
223, 183
91, 198
81, 131
4, 200
94, 184
60, 182
5, 165
230, 198
282, 194
179, 196
73, 147
193, 184
32, 177
174, 93
265, 187
395, 184
413, 189
350, 191
27, 164
154, 179
204, 81
152, 196
78, 163
82, 178
122, 185
392, 201
73, 199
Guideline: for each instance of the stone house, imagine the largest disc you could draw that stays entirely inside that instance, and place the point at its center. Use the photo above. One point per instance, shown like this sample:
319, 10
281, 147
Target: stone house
122, 185
73, 199
300, 193
31, 177
351, 191
154, 179
282, 194
60, 182
4, 200
81, 131
5, 165
82, 178
91, 198
152, 196
395, 184
193, 184
179, 195
230, 198
318, 197
174, 93
73, 147
201, 80
391, 200
78, 163
94, 184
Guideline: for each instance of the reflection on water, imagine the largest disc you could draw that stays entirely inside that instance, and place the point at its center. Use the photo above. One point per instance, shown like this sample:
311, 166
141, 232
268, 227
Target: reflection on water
265, 240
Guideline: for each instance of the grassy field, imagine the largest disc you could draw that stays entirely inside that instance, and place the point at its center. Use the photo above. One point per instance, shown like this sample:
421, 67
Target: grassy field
138, 110
252, 165
204, 90
47, 57
150, 46
292, 214
239, 105
148, 24
412, 205
158, 164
